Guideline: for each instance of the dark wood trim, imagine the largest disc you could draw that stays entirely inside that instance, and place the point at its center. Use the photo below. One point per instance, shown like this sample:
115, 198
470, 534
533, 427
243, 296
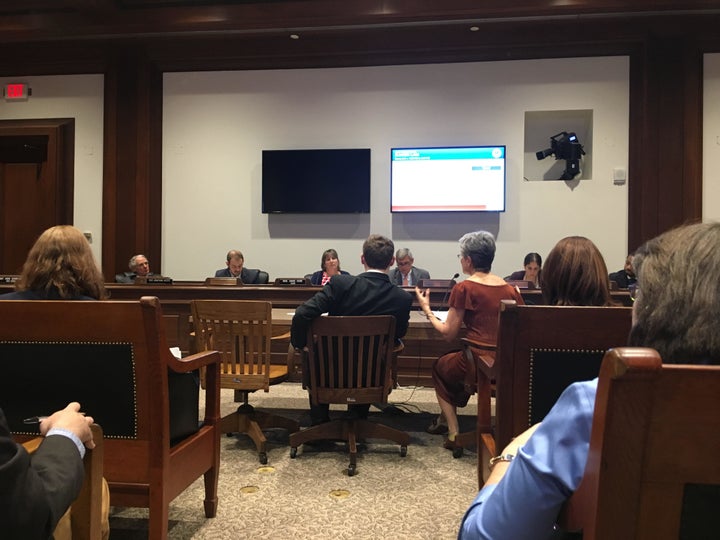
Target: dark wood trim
134, 42
132, 184
665, 161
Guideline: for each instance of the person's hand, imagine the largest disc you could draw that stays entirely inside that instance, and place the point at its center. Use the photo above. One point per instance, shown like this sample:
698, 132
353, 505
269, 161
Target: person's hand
71, 419
423, 297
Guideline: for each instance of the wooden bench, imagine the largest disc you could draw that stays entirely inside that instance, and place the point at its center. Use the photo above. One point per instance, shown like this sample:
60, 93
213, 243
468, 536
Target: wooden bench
113, 357
653, 471
540, 351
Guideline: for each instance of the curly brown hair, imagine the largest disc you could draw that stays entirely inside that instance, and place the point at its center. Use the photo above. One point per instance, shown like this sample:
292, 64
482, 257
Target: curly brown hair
61, 264
575, 274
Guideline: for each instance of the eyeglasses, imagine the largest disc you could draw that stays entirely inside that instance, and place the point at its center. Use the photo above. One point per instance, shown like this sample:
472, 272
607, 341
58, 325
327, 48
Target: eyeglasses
634, 291
460, 255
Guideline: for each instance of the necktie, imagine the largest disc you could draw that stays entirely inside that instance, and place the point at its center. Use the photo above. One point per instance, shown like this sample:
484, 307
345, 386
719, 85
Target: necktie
405, 281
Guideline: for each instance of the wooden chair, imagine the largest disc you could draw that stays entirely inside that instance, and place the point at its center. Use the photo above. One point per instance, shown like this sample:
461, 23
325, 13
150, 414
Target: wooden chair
350, 360
86, 510
241, 330
540, 351
113, 358
653, 471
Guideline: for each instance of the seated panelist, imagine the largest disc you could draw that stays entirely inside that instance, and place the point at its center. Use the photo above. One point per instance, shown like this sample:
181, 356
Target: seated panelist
330, 266
235, 268
532, 270
139, 267
404, 273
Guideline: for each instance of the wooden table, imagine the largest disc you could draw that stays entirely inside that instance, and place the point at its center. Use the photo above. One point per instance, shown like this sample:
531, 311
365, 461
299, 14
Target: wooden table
422, 343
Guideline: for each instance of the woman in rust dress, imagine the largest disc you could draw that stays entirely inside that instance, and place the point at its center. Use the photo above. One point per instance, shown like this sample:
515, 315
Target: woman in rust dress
476, 303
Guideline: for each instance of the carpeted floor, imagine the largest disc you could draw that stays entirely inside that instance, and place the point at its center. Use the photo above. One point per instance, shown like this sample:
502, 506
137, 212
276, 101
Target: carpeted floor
420, 496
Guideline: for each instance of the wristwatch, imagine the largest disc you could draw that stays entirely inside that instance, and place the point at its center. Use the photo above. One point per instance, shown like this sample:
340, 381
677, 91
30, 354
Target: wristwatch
497, 459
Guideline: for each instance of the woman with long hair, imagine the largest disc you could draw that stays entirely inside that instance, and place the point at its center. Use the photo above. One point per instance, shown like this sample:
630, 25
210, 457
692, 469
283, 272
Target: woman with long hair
59, 266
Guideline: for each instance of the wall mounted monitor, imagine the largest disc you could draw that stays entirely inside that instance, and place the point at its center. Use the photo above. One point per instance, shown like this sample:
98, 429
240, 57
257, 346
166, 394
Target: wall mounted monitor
333, 181
448, 179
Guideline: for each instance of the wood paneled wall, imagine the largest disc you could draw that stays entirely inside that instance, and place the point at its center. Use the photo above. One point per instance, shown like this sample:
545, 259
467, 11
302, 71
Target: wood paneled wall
665, 47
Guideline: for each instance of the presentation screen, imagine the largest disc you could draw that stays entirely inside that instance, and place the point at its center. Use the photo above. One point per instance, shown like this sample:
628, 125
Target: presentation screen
450, 179
318, 181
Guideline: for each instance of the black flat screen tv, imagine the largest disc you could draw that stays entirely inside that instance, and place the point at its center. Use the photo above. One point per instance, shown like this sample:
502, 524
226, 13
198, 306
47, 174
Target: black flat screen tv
448, 179
332, 181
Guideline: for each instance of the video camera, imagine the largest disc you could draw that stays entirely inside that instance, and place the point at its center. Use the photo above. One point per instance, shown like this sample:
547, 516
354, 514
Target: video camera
565, 146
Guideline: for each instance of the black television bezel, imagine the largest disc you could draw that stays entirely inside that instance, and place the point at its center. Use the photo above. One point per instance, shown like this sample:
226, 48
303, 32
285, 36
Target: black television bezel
451, 211
360, 199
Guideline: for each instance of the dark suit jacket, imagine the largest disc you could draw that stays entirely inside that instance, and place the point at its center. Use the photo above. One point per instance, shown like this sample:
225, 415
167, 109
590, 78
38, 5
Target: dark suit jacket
369, 293
129, 277
35, 494
416, 274
247, 275
622, 279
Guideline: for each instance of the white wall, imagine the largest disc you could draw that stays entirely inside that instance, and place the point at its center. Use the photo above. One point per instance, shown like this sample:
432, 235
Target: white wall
217, 123
79, 97
711, 139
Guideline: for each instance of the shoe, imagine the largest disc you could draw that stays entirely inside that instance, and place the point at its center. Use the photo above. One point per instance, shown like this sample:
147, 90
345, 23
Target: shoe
448, 444
438, 427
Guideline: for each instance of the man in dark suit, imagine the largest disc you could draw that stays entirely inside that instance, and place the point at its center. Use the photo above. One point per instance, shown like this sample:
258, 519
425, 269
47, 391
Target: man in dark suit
369, 293
139, 266
405, 274
625, 277
235, 268
34, 494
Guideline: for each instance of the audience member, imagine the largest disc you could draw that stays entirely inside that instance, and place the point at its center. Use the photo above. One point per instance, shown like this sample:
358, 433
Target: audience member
330, 266
35, 493
475, 302
532, 270
369, 293
235, 268
575, 274
139, 267
59, 266
522, 496
405, 274
625, 278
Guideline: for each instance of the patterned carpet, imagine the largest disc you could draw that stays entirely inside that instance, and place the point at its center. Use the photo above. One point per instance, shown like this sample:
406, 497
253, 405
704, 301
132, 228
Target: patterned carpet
420, 496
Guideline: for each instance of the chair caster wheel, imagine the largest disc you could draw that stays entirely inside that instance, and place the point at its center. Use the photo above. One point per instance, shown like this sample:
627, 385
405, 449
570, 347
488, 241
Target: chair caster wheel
403, 451
351, 470
263, 458
293, 452
457, 452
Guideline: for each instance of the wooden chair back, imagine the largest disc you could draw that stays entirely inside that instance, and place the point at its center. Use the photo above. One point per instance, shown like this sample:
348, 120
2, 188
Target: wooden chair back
113, 357
653, 471
543, 349
350, 359
86, 510
240, 330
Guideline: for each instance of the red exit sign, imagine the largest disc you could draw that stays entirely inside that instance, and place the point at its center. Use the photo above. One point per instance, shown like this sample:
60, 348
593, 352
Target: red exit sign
16, 91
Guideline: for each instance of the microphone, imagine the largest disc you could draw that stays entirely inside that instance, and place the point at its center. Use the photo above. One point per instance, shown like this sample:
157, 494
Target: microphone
447, 292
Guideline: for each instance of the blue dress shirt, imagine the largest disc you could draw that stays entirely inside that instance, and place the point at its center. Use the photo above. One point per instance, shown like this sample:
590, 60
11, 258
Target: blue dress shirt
544, 473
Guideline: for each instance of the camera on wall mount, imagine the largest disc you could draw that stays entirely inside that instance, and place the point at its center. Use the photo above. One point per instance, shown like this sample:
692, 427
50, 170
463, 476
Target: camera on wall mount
565, 146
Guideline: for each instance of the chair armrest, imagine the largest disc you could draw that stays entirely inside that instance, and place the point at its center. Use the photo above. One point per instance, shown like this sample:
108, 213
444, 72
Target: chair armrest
194, 361
397, 349
485, 364
86, 520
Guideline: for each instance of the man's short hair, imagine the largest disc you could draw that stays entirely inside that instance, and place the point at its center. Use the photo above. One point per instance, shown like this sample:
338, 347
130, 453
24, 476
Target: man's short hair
133, 261
403, 253
378, 251
235, 253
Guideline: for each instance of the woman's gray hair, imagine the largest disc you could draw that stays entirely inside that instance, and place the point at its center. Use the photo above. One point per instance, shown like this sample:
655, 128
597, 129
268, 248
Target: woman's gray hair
678, 305
480, 247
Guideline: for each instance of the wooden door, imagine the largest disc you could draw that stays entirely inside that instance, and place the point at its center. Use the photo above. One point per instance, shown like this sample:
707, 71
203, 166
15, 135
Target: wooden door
36, 184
